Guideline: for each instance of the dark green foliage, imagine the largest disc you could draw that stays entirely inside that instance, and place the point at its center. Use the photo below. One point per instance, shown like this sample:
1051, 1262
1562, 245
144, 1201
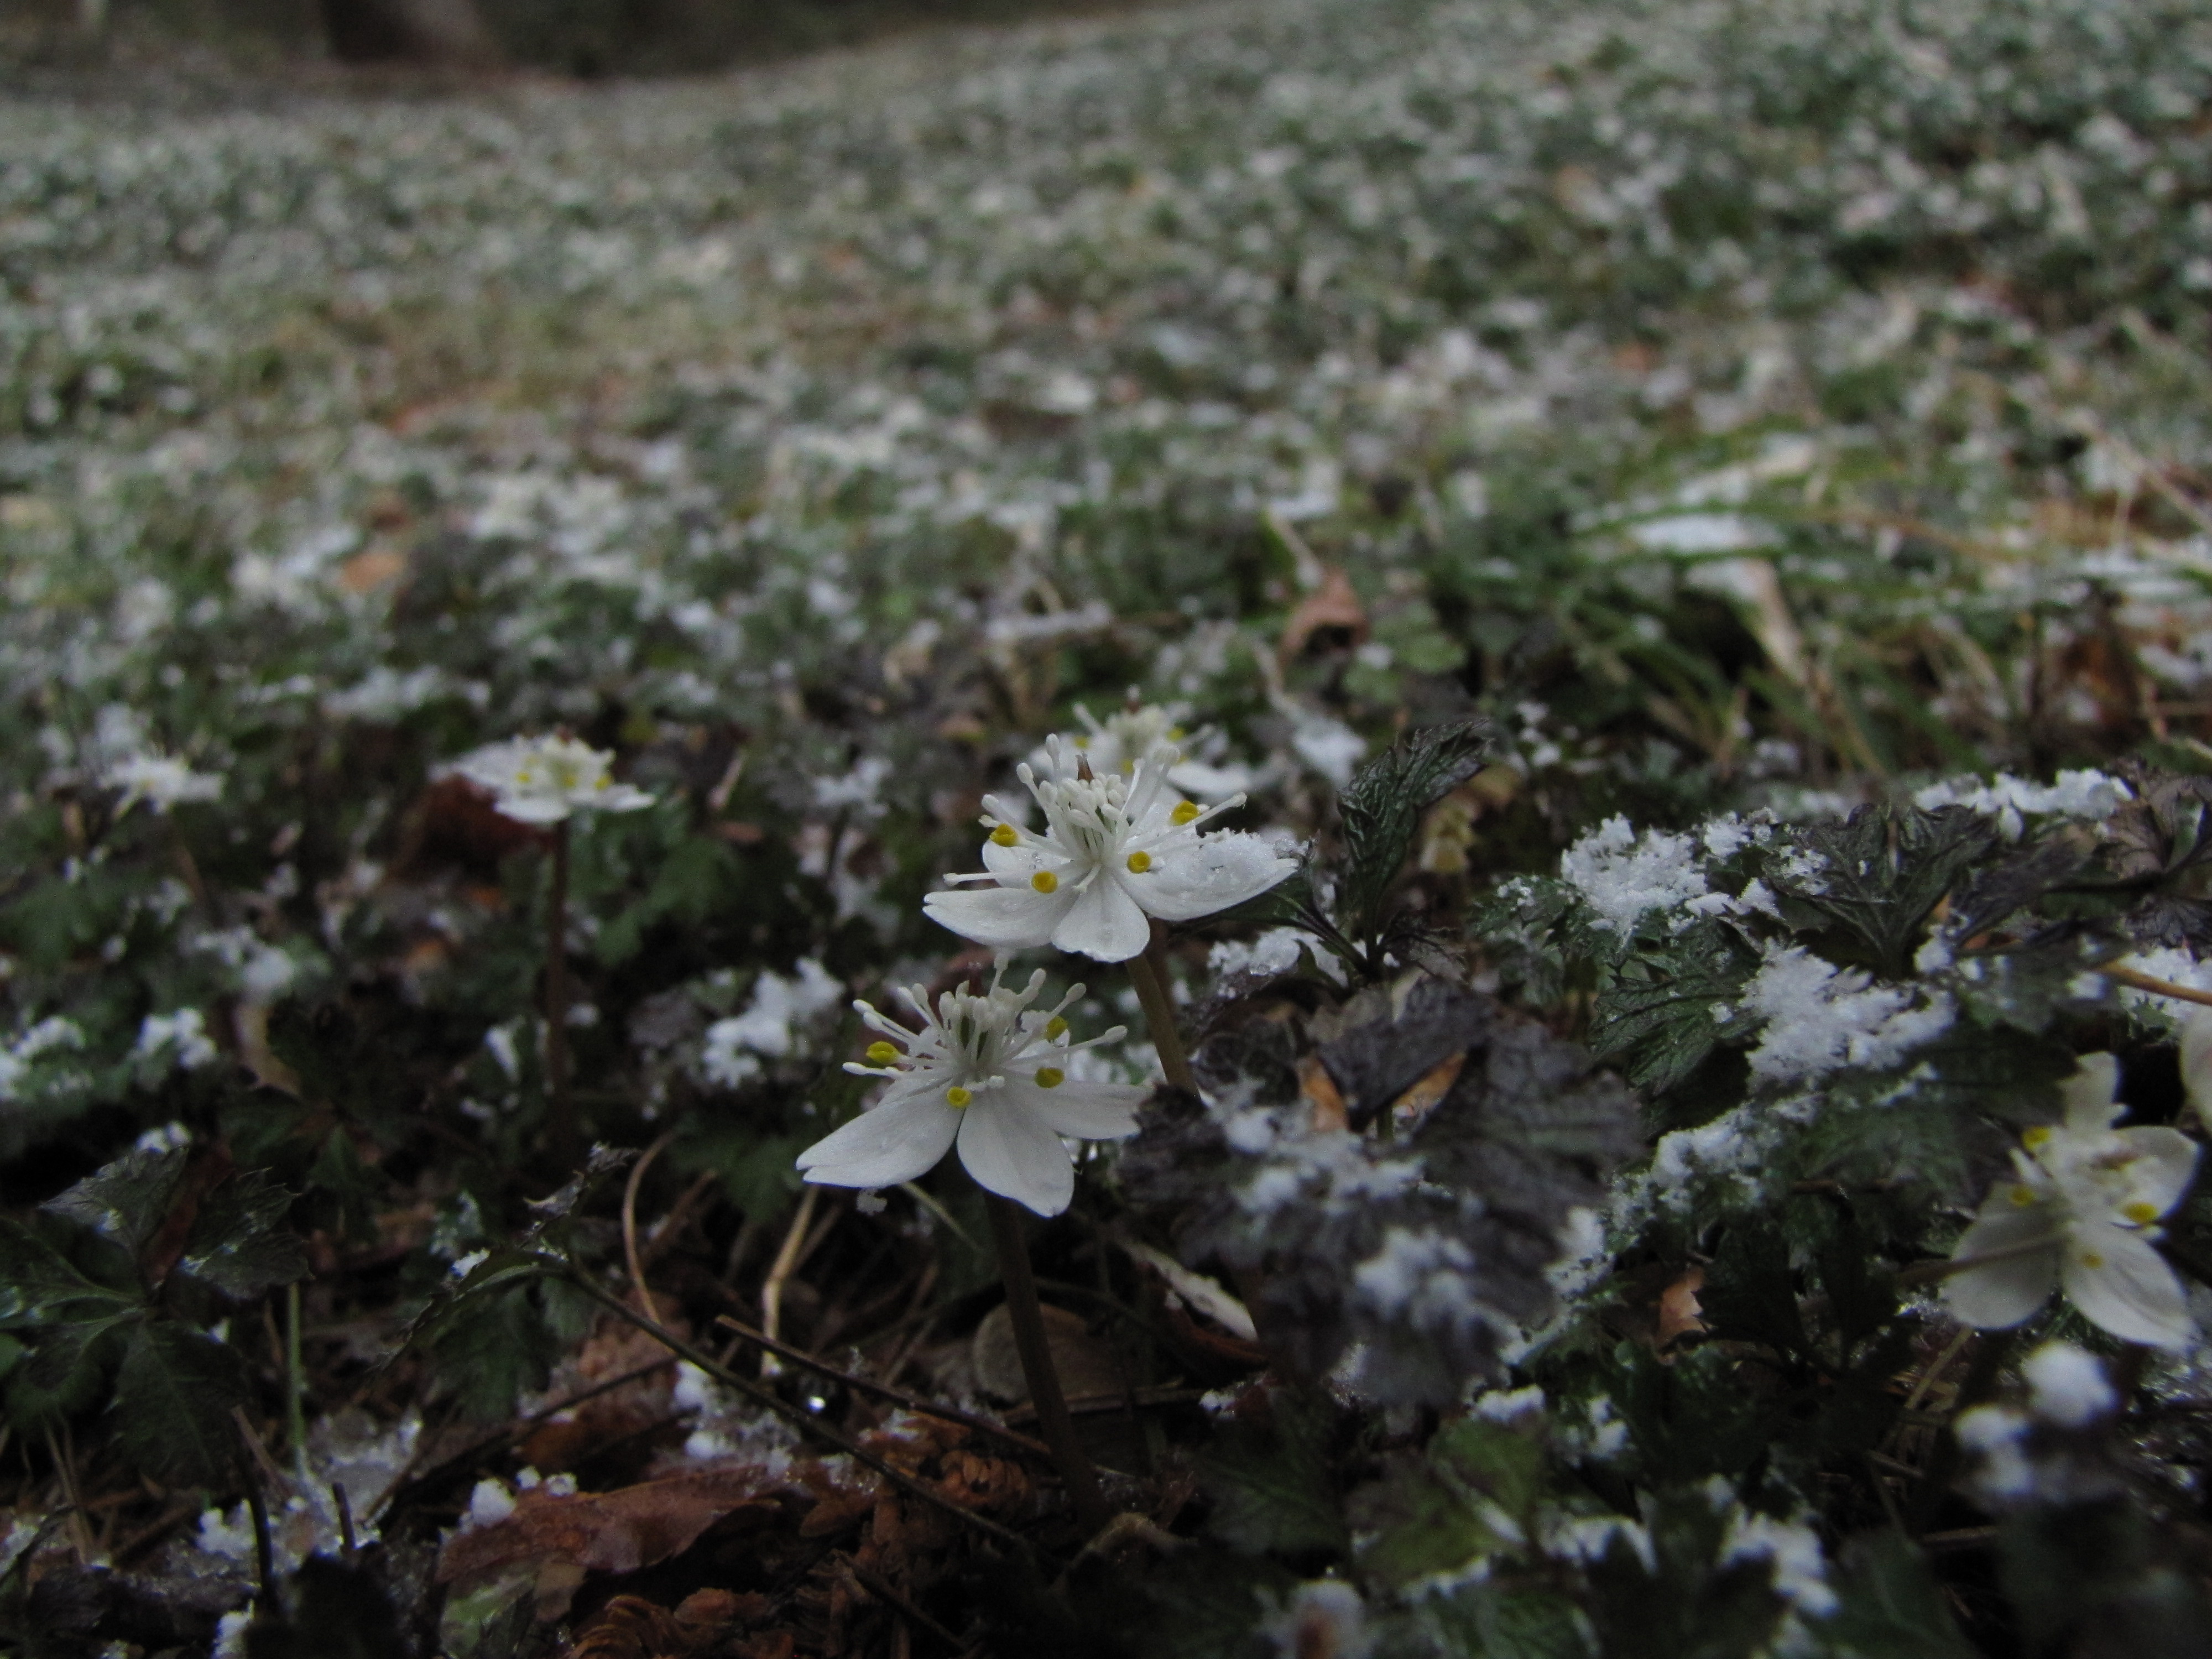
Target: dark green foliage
174, 1392
1271, 1481
1380, 811
1879, 876
330, 1610
1890, 1605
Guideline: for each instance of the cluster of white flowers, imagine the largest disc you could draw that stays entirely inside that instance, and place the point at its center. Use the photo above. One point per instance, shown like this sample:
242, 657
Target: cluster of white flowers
987, 1072
770, 1027
1116, 851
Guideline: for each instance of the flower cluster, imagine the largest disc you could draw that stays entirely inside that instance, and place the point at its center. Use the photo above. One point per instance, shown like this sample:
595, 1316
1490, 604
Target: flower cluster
1115, 852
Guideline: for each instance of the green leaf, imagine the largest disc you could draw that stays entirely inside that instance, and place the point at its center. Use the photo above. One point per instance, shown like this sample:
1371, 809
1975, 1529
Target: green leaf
491, 1346
38, 1283
238, 1243
1655, 1019
1882, 873
1501, 1621
1271, 1486
125, 1202
174, 1392
1889, 1605
1382, 810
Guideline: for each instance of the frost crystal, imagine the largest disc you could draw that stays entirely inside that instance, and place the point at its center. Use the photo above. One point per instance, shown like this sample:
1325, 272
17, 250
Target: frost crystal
1820, 1017
1622, 877
1800, 1573
2086, 793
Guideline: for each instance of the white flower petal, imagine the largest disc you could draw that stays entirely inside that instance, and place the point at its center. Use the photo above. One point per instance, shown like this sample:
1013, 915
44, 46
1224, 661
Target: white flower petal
1004, 918
897, 1141
1083, 1111
534, 809
1207, 874
2003, 1293
1011, 1152
2197, 1061
1014, 865
2088, 1093
2123, 1286
2160, 1165
1103, 923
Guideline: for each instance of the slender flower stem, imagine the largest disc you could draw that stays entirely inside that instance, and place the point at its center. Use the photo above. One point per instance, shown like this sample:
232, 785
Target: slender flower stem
560, 1110
1036, 1350
295, 1383
2162, 988
1149, 974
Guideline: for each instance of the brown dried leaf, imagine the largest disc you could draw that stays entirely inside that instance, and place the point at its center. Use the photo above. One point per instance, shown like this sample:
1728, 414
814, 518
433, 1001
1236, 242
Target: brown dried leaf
1410, 1108
1322, 1094
1333, 605
1678, 1309
617, 1531
1085, 1362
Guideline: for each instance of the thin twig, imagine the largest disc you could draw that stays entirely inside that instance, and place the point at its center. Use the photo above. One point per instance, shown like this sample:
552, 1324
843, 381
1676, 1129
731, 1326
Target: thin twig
881, 1589
2162, 988
1928, 1273
629, 1224
1035, 1347
804, 1420
785, 1263
345, 1519
913, 1402
1936, 1367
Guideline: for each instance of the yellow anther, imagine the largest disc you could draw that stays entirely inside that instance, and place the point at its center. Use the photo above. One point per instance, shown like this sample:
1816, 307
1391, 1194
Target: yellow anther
2022, 1196
524, 776
1054, 1028
2092, 1261
1045, 882
2142, 1214
1050, 1076
1004, 836
1140, 862
1083, 742
957, 1096
882, 1052
603, 783
1184, 813
2037, 1138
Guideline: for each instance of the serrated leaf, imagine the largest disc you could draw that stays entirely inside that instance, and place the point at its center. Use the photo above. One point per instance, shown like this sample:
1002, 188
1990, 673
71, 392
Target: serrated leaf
1411, 1524
1883, 873
1382, 810
1888, 1604
38, 1283
238, 1243
497, 1349
125, 1202
1501, 1621
1271, 1486
174, 1392
1655, 1019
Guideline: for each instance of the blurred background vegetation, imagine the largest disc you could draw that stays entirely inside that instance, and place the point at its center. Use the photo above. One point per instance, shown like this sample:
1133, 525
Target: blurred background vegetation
583, 38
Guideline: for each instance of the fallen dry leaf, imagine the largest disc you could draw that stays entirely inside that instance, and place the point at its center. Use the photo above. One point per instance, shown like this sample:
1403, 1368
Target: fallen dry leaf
1332, 605
1322, 1094
1678, 1309
617, 1531
1418, 1102
1085, 1362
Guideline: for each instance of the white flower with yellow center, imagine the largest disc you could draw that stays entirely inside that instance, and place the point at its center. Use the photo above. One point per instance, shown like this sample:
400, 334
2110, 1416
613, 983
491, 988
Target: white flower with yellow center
2079, 1214
1129, 734
545, 780
1115, 851
989, 1073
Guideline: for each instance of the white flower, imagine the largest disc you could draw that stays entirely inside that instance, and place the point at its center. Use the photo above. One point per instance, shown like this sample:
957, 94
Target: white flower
986, 1070
1129, 734
2079, 1213
543, 779
1115, 851
160, 781
2197, 1061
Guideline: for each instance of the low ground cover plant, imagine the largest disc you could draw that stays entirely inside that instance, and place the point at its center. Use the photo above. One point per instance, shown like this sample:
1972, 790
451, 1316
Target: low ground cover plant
1311, 829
